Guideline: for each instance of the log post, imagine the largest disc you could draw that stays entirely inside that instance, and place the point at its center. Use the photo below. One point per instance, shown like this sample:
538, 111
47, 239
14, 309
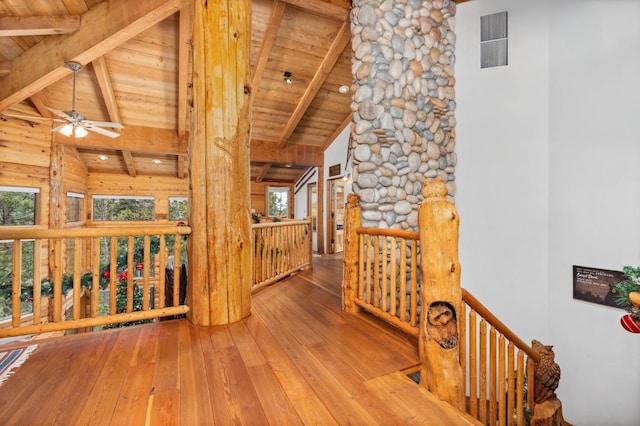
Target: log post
219, 290
352, 221
441, 296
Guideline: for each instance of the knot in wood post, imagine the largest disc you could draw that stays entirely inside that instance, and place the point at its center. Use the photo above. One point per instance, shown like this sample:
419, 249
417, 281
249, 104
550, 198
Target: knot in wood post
441, 295
352, 222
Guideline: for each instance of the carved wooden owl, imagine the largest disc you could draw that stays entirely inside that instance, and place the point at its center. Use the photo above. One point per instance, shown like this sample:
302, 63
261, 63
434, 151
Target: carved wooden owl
547, 373
442, 326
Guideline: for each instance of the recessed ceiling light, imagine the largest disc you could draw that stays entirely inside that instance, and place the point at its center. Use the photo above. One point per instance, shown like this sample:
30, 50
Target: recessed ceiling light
343, 89
156, 161
103, 157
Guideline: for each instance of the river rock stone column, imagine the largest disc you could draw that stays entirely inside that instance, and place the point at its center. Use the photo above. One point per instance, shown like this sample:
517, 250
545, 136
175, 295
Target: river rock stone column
403, 105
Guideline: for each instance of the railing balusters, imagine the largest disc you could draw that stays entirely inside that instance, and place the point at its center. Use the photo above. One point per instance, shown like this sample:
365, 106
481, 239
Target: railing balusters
394, 282
77, 285
502, 382
386, 295
281, 248
81, 248
482, 412
520, 389
511, 384
493, 377
16, 282
473, 365
376, 271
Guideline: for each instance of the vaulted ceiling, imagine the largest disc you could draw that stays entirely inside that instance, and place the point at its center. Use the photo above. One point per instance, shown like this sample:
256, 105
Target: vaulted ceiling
136, 70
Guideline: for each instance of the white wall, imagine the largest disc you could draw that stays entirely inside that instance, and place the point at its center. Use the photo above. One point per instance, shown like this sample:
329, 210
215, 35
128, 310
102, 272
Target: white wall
547, 178
502, 171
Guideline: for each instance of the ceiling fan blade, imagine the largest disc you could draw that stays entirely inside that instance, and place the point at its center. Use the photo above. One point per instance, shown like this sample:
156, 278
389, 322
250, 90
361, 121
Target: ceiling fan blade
102, 131
60, 113
89, 123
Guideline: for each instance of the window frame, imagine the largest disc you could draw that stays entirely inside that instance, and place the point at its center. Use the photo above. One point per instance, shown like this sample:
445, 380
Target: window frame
36, 204
275, 189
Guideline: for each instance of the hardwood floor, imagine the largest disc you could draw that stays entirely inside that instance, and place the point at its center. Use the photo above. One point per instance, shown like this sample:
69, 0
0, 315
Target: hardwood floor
298, 359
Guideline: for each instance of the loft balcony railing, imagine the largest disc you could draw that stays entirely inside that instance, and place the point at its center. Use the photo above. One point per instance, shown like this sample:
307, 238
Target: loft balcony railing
94, 269
388, 275
280, 249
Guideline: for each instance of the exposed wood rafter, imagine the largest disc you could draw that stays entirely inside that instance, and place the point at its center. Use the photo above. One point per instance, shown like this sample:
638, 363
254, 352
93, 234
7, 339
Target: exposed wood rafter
263, 172
17, 26
337, 47
267, 43
119, 20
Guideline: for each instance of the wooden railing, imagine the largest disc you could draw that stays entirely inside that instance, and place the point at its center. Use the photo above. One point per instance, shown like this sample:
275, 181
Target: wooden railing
280, 249
388, 282
493, 359
479, 358
83, 246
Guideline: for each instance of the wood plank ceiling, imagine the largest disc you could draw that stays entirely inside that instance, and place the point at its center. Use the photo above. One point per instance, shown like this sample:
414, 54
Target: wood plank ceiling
136, 59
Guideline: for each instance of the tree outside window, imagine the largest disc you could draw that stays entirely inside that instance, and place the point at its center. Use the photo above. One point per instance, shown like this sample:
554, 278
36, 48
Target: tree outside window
123, 208
177, 208
18, 206
278, 199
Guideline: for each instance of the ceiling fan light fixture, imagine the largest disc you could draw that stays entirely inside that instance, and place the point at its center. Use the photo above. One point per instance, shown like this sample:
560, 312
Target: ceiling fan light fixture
80, 132
67, 130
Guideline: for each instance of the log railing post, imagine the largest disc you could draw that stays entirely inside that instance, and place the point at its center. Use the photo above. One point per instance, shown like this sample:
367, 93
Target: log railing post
350, 256
441, 372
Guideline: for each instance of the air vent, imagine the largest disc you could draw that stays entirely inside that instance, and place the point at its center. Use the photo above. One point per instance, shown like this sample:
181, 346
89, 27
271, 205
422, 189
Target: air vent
494, 40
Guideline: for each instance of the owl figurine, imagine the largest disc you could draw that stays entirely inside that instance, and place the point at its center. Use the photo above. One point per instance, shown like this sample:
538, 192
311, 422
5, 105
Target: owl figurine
547, 373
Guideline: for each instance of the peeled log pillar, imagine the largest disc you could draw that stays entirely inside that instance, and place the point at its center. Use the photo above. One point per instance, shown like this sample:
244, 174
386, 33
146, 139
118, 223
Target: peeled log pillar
441, 296
219, 290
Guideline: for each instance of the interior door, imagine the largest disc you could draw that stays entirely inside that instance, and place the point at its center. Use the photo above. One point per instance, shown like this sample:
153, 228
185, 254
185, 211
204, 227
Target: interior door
312, 208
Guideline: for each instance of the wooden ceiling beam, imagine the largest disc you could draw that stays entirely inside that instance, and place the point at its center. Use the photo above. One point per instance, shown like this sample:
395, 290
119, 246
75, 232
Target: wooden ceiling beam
269, 152
106, 88
336, 9
336, 49
118, 21
263, 172
39, 101
18, 26
129, 163
185, 43
277, 11
133, 139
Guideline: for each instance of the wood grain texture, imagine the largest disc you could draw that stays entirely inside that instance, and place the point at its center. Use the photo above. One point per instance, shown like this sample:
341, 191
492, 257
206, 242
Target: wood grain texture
299, 359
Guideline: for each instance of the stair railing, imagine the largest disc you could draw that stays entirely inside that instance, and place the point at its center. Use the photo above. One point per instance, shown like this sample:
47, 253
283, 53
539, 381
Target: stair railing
382, 277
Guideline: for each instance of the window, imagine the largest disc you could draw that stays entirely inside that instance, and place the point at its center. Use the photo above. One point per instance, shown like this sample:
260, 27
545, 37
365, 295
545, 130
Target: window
278, 201
494, 40
18, 206
75, 207
123, 208
177, 208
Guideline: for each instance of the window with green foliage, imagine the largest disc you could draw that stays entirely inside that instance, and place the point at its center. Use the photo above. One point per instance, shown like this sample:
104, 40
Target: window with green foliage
177, 208
75, 207
278, 199
123, 208
6, 276
18, 206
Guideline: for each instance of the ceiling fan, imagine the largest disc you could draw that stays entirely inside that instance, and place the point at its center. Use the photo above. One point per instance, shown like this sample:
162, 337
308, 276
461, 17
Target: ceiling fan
76, 123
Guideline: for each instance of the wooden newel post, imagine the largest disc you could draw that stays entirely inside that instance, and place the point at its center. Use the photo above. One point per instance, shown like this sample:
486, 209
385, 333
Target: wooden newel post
441, 296
350, 256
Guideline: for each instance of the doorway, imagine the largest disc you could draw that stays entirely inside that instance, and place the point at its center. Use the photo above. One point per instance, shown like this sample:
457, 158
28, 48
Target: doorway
312, 209
336, 210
